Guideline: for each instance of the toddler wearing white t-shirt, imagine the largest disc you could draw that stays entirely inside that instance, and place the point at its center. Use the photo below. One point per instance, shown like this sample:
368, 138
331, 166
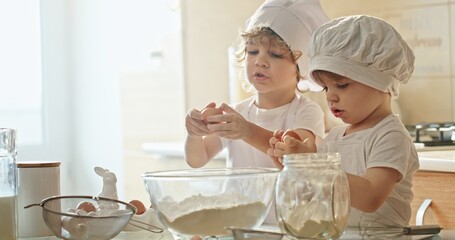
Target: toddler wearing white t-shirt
360, 61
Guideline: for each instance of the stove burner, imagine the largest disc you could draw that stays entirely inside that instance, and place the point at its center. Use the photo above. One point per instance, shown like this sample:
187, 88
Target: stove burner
441, 134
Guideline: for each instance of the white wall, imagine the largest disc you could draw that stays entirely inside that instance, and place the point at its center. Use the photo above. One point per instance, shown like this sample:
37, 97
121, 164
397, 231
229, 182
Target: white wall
207, 36
58, 130
88, 45
95, 35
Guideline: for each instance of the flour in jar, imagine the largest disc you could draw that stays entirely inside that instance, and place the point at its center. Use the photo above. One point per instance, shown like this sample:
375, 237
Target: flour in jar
210, 215
313, 221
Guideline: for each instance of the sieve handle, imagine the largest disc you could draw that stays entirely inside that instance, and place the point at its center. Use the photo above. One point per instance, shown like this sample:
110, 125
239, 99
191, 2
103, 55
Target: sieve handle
422, 230
33, 205
145, 226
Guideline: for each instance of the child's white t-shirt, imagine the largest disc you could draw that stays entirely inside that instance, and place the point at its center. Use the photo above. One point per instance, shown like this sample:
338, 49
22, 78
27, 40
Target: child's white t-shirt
300, 113
388, 144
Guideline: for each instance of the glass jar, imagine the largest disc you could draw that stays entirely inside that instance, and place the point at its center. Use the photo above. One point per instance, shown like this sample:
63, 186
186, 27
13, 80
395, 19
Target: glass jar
312, 196
8, 184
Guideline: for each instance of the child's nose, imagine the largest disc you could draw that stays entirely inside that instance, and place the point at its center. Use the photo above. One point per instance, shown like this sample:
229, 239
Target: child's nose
261, 61
330, 96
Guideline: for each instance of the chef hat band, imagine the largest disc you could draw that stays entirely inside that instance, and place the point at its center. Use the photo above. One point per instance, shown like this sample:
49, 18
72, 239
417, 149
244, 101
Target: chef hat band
365, 49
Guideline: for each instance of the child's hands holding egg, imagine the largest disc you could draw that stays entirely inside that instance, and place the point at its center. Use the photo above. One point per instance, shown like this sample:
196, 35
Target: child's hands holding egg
288, 142
291, 134
234, 126
207, 121
195, 123
210, 111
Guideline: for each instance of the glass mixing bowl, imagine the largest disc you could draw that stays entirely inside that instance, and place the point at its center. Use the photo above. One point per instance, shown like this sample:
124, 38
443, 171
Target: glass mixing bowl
206, 202
59, 214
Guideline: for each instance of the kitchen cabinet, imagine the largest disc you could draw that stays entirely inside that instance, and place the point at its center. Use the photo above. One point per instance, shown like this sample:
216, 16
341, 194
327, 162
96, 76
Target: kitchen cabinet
440, 188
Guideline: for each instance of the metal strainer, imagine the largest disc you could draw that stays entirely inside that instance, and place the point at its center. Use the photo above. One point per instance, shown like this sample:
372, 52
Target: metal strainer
60, 217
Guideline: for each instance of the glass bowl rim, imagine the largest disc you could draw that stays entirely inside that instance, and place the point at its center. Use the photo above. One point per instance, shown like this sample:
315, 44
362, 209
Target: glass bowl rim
210, 172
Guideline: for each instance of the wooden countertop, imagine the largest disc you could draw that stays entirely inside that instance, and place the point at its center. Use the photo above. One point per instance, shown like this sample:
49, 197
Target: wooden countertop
350, 234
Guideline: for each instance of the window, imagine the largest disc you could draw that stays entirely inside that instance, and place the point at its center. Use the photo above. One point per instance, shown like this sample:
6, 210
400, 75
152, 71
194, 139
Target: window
20, 78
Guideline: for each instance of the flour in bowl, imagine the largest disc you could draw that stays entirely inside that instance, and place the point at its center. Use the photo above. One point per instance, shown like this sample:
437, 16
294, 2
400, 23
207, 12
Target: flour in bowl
210, 215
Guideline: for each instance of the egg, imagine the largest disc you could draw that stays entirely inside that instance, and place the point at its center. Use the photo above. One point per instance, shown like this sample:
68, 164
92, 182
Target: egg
291, 134
209, 112
140, 207
86, 206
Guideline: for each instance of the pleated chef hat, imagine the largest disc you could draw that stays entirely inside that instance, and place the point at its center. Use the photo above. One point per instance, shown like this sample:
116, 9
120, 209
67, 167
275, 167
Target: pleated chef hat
294, 21
365, 49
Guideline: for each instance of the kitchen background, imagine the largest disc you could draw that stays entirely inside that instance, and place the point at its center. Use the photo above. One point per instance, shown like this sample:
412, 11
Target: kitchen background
118, 77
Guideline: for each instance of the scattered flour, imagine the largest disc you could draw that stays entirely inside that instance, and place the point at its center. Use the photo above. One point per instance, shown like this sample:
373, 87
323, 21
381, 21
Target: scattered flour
210, 215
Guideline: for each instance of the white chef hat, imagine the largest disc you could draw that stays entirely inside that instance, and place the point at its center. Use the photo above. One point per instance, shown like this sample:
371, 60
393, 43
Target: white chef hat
294, 21
365, 49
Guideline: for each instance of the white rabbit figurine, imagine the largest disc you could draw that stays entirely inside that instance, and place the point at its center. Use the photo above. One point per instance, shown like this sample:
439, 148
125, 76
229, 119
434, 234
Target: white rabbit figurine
109, 188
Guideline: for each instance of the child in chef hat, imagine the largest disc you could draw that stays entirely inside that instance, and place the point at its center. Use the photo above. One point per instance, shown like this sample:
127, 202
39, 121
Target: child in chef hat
275, 45
361, 61
274, 51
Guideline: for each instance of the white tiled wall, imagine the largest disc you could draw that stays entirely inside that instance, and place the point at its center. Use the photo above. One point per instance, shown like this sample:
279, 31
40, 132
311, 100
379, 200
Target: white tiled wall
427, 26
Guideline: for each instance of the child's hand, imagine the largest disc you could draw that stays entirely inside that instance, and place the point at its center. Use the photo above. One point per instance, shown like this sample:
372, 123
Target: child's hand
283, 143
277, 160
230, 124
194, 122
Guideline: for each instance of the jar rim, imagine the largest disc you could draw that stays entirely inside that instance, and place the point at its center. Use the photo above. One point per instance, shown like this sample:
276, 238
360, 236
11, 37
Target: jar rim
313, 158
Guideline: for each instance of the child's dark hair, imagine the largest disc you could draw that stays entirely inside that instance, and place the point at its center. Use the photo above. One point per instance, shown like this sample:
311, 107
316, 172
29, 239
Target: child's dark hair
319, 74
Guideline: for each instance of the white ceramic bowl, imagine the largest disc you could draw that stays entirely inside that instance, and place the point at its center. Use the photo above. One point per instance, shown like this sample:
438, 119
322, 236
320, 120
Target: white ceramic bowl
205, 202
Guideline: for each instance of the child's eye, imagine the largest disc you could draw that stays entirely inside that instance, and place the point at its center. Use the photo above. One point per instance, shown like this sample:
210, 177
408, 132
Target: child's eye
342, 85
252, 52
276, 55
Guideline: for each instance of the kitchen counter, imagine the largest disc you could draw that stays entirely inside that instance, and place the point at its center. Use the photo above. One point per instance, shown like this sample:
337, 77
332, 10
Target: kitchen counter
350, 234
171, 150
439, 161
422, 148
431, 158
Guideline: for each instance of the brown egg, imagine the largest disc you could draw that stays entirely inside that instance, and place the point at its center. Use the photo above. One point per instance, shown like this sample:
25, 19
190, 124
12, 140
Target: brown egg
209, 112
86, 206
140, 207
291, 134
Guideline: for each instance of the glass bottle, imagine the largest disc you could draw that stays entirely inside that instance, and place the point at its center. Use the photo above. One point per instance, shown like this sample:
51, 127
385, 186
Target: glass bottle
8, 184
312, 196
